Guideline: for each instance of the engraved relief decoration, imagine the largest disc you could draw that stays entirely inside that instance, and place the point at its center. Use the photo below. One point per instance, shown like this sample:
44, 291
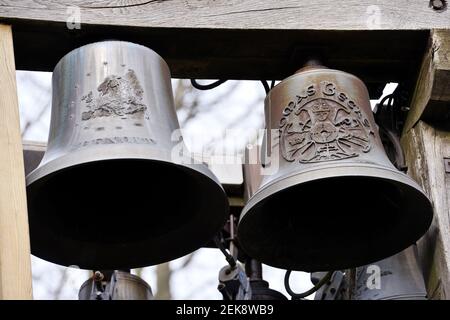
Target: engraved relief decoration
116, 99
118, 96
323, 124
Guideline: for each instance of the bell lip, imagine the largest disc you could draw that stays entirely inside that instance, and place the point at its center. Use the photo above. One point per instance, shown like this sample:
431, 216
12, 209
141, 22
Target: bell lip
113, 152
330, 171
307, 71
67, 161
71, 52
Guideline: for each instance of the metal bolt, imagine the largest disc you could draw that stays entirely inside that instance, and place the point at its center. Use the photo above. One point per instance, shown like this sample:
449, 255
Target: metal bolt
98, 276
438, 5
447, 165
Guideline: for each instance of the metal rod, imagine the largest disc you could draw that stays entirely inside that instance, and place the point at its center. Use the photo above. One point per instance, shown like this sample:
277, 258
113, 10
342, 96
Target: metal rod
253, 268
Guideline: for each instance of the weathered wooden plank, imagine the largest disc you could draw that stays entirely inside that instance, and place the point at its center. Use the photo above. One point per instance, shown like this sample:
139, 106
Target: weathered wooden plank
238, 14
236, 39
15, 265
425, 149
431, 100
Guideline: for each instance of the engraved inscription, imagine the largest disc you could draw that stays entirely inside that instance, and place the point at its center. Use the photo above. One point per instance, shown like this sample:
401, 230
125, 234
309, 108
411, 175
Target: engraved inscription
117, 96
115, 140
323, 124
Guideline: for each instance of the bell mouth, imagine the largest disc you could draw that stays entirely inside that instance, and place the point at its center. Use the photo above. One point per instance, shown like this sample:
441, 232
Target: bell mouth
344, 218
122, 213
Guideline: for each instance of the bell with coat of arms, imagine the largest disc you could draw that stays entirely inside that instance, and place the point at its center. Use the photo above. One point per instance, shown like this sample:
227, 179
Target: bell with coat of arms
335, 201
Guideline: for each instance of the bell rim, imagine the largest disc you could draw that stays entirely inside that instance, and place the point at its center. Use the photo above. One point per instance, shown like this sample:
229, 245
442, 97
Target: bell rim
216, 194
329, 171
113, 152
326, 172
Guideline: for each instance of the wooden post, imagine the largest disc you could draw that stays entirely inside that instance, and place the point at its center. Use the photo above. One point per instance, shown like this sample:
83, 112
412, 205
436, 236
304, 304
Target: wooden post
432, 95
15, 264
426, 142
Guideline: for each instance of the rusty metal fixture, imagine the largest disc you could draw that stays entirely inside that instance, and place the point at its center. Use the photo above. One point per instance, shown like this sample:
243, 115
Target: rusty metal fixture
260, 287
119, 286
325, 281
438, 5
334, 289
336, 201
396, 278
108, 193
261, 291
234, 284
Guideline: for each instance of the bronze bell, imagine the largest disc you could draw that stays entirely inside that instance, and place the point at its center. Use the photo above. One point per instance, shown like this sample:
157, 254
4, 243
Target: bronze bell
108, 193
400, 278
336, 201
117, 285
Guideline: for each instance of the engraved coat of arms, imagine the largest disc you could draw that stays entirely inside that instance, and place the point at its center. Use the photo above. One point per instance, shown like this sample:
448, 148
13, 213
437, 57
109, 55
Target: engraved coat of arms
323, 129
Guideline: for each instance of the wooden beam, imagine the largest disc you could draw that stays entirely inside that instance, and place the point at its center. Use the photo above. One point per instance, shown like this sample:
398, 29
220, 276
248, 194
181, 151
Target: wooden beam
426, 149
431, 100
237, 39
238, 14
15, 265
426, 143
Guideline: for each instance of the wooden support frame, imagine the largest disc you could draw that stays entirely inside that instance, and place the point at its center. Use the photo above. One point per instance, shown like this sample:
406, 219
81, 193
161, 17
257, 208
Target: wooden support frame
378, 41
426, 142
236, 39
238, 14
15, 265
431, 100
426, 149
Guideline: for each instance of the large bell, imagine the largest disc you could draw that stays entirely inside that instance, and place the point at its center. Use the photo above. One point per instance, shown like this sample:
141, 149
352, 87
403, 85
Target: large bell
336, 201
108, 193
400, 278
119, 285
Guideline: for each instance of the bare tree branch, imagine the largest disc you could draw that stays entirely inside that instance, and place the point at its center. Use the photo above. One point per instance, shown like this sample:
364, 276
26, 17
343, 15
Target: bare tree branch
186, 262
62, 283
163, 275
30, 123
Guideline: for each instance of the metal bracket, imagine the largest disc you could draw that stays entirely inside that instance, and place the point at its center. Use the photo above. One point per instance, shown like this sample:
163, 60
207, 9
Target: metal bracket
447, 165
234, 284
331, 290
